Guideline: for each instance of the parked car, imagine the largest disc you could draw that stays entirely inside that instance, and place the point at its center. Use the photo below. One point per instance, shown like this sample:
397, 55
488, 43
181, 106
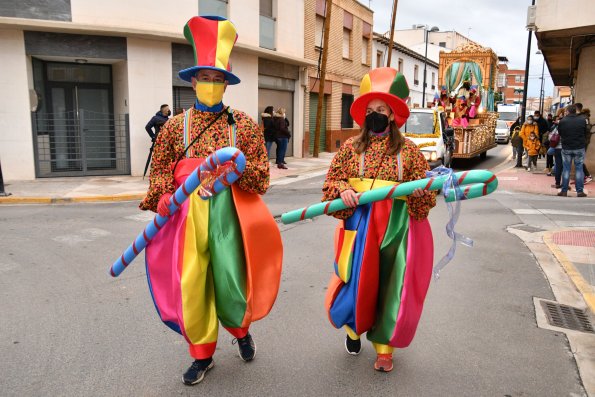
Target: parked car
502, 132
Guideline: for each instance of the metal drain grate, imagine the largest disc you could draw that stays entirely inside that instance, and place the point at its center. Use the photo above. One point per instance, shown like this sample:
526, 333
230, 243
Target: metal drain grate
568, 317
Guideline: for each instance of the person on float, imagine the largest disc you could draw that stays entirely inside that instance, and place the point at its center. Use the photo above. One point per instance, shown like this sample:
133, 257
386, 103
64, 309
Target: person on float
389, 242
460, 110
209, 264
443, 100
473, 103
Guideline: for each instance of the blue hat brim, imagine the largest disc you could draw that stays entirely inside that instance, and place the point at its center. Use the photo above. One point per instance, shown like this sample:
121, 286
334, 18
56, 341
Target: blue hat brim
188, 74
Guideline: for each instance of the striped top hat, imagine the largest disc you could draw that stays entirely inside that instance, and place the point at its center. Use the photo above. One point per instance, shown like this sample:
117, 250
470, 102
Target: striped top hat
212, 38
387, 85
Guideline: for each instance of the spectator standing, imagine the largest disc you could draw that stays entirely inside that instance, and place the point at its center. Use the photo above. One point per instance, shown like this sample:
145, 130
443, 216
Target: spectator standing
586, 114
526, 130
573, 131
517, 144
282, 134
154, 125
542, 126
556, 145
550, 121
532, 145
268, 130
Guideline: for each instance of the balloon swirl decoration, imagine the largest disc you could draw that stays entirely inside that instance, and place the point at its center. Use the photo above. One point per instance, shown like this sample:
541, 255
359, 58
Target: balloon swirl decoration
216, 173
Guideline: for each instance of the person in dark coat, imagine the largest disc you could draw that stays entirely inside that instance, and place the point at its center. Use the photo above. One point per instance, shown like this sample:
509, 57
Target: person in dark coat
157, 121
267, 129
517, 143
542, 125
281, 127
573, 133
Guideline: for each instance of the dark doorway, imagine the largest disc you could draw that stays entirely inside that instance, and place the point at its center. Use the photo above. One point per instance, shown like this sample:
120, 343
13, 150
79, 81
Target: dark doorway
77, 131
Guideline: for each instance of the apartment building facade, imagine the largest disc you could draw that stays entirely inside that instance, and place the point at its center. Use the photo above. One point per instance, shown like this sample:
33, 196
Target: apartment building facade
350, 25
565, 32
412, 65
84, 82
510, 83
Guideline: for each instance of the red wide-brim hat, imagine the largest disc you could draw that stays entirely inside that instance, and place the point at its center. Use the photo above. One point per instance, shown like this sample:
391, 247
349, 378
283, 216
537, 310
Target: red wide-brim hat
385, 84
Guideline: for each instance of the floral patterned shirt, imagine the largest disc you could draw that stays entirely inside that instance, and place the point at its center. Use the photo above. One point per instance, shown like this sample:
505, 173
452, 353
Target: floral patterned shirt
169, 146
346, 164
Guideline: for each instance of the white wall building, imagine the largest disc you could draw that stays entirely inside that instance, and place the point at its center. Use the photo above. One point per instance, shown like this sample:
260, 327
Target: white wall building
411, 64
447, 41
83, 81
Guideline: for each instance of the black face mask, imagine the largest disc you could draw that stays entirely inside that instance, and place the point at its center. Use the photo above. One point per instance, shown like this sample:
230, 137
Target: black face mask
377, 122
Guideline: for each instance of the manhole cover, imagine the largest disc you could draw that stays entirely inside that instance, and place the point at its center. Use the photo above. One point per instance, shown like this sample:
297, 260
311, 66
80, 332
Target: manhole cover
568, 317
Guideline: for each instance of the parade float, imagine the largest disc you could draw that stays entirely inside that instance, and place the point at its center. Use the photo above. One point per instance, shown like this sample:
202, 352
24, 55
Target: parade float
469, 74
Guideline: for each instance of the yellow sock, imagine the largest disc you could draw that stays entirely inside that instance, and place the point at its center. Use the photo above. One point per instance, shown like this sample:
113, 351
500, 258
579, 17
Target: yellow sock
351, 333
383, 349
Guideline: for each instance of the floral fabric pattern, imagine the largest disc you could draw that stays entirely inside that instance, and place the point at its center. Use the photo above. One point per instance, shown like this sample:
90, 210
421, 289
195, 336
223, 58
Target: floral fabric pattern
169, 147
346, 164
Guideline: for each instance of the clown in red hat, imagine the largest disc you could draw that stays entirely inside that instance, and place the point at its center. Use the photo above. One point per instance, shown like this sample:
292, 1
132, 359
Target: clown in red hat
387, 245
208, 265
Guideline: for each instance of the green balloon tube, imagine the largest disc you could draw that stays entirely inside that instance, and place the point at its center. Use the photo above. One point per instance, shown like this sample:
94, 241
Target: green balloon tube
475, 183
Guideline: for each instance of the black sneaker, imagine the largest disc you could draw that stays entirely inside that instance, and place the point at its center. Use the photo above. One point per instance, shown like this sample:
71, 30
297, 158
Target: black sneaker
353, 346
246, 346
196, 373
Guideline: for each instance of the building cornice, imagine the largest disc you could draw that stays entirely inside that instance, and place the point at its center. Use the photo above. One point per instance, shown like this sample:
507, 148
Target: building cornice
118, 31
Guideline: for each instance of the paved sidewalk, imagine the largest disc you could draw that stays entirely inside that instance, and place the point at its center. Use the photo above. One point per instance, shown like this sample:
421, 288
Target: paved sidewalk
575, 250
122, 188
536, 182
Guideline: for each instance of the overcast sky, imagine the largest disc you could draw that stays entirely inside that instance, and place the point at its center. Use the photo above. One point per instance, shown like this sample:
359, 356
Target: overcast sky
497, 24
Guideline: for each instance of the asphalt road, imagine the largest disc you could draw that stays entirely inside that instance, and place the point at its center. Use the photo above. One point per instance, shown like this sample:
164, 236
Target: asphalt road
70, 329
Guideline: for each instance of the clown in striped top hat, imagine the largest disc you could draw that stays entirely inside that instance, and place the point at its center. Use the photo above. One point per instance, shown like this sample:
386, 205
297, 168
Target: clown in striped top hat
212, 38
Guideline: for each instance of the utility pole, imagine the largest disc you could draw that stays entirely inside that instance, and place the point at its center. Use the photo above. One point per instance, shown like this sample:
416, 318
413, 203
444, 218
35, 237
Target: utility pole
392, 32
327, 28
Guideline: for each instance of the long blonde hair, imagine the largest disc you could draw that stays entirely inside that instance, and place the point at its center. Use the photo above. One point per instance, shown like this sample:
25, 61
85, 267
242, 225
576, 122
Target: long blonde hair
396, 140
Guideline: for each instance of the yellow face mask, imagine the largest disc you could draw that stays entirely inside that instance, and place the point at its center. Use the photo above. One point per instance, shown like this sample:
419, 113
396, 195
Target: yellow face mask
209, 93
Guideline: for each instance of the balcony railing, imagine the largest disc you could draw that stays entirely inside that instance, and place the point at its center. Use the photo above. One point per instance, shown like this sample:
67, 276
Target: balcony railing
267, 32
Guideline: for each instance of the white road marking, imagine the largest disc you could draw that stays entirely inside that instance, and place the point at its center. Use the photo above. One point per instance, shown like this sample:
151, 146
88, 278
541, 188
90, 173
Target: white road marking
144, 216
545, 211
71, 239
287, 181
93, 232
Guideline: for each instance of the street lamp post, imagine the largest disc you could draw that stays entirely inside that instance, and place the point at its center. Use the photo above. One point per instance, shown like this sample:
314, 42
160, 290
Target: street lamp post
542, 92
423, 96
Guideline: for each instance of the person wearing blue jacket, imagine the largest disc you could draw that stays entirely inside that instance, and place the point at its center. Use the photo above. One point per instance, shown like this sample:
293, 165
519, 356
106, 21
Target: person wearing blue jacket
157, 121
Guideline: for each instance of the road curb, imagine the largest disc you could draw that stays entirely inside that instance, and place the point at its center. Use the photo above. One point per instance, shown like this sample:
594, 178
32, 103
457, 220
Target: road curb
577, 279
70, 200
116, 197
